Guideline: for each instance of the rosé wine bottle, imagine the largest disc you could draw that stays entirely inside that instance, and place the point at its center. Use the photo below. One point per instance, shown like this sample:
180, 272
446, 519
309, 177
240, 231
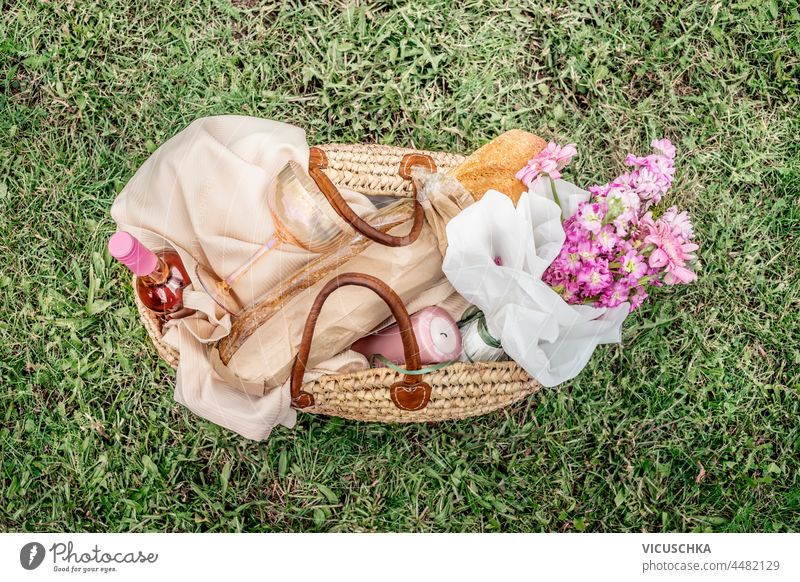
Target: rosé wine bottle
160, 277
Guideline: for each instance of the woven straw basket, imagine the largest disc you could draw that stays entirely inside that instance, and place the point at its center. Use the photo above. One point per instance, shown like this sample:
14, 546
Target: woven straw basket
459, 390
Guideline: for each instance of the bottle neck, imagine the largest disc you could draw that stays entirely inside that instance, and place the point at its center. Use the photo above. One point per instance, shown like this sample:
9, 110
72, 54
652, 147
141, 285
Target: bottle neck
159, 275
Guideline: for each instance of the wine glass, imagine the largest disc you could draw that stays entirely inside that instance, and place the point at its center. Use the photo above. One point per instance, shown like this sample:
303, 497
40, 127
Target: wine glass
302, 216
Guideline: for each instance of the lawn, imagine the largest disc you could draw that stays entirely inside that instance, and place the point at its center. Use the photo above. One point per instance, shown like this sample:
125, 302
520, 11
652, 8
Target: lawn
692, 424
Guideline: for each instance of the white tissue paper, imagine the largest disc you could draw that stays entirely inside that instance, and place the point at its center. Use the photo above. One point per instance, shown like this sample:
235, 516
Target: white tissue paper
495, 258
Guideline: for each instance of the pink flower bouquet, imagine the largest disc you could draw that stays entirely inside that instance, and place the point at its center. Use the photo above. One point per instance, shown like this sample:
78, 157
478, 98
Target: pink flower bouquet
614, 248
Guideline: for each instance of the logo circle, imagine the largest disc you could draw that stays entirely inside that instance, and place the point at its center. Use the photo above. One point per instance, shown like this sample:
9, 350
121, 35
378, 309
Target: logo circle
31, 555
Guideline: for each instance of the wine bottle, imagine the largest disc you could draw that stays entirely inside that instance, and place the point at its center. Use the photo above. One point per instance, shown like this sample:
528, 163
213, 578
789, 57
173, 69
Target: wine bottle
160, 277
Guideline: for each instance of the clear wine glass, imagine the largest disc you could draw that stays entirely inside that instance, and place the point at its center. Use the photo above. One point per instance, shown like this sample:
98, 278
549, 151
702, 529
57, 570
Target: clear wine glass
302, 216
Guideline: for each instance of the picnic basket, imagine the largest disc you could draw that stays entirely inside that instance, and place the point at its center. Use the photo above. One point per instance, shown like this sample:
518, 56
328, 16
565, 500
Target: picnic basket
460, 390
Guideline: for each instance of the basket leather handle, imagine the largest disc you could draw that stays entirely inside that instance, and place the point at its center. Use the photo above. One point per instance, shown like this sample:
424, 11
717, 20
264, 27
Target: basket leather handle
411, 393
318, 161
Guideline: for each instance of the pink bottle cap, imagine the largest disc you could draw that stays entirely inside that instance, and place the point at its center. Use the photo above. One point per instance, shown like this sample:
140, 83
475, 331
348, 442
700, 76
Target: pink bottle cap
130, 252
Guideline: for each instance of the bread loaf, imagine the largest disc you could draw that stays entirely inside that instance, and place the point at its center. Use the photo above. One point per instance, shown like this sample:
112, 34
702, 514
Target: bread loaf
493, 166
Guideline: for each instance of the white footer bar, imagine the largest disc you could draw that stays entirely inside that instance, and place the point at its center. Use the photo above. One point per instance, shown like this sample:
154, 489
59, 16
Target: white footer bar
495, 557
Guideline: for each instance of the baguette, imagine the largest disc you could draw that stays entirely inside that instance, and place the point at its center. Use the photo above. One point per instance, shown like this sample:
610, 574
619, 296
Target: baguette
493, 166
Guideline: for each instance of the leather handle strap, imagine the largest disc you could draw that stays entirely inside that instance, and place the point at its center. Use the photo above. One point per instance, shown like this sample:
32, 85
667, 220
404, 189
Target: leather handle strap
319, 161
411, 393
415, 159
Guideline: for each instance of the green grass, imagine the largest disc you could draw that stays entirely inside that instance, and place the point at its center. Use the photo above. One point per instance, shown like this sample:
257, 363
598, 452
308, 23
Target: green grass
693, 424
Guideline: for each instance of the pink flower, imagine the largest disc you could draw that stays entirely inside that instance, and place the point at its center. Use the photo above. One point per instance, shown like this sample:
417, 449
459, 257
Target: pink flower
623, 205
649, 184
556, 275
598, 191
571, 263
652, 175
587, 249
570, 293
551, 160
606, 238
671, 254
645, 224
678, 275
624, 222
590, 217
595, 277
615, 294
662, 165
679, 222
633, 265
637, 297
622, 195
637, 161
664, 146
657, 163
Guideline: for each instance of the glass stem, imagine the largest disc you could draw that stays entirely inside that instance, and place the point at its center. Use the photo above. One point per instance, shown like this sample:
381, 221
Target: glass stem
265, 248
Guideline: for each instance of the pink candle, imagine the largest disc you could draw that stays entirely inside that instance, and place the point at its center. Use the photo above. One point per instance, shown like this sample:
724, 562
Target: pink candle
437, 335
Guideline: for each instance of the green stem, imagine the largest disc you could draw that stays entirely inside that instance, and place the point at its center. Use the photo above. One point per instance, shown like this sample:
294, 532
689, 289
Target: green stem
555, 195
